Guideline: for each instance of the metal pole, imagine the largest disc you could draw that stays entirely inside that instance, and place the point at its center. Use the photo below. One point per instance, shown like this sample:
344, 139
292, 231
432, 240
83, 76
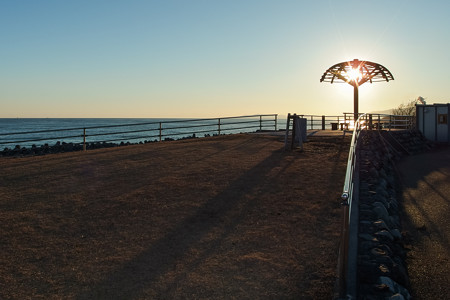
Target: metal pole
287, 131
323, 122
294, 130
276, 122
218, 125
260, 123
84, 139
355, 102
160, 131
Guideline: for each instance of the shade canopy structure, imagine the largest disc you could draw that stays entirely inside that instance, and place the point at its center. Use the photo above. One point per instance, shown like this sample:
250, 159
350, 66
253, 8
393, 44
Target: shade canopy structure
356, 73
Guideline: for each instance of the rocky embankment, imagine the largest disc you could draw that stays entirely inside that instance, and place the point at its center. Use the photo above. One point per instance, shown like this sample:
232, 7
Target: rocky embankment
382, 272
60, 147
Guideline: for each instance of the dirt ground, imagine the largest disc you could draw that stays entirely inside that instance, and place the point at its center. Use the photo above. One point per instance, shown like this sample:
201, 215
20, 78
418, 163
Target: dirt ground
230, 217
426, 200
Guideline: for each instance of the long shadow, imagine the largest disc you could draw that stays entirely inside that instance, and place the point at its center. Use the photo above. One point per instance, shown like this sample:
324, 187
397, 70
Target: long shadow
245, 143
133, 277
431, 226
435, 190
430, 191
440, 160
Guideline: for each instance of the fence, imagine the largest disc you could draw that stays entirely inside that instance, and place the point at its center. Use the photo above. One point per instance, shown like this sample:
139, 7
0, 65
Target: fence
347, 261
349, 232
371, 121
139, 131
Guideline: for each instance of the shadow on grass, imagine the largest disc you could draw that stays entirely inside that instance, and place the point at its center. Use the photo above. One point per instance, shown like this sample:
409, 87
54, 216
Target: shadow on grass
425, 199
425, 190
131, 279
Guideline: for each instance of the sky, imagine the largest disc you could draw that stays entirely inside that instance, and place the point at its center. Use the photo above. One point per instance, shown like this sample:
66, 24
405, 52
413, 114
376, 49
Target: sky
211, 58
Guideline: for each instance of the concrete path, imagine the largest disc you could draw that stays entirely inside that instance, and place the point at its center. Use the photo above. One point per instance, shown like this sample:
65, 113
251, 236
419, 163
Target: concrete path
310, 132
425, 182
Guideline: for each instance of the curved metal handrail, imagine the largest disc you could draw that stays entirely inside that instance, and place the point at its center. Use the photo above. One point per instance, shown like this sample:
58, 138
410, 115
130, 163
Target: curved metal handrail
346, 266
348, 186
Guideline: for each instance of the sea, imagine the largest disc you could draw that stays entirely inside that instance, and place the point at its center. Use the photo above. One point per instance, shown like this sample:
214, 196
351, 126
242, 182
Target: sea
27, 132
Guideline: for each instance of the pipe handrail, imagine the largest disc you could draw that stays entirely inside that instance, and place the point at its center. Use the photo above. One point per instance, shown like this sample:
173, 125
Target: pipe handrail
137, 124
346, 119
344, 264
225, 124
347, 190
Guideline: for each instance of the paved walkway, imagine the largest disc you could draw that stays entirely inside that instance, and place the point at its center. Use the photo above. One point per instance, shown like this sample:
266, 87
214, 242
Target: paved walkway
426, 197
310, 132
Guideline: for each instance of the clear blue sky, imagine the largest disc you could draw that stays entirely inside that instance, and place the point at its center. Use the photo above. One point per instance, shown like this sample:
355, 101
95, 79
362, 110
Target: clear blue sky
192, 58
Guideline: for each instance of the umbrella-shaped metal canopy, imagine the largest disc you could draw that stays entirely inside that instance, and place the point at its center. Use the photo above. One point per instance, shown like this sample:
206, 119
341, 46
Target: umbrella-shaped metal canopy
356, 73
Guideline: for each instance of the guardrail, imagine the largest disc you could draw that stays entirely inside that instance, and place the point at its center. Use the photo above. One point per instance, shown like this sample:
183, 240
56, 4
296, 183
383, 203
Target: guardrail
347, 261
148, 130
322, 122
349, 232
371, 121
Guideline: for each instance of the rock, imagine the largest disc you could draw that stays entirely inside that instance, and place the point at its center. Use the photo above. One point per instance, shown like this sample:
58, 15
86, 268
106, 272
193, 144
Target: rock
381, 211
393, 286
380, 224
397, 297
367, 237
366, 246
389, 283
384, 234
373, 172
396, 234
382, 192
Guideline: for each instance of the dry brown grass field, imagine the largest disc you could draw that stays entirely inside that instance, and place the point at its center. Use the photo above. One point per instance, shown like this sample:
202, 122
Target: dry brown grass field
229, 217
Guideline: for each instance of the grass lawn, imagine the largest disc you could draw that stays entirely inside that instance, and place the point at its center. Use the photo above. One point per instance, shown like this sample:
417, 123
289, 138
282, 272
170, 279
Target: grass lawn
214, 218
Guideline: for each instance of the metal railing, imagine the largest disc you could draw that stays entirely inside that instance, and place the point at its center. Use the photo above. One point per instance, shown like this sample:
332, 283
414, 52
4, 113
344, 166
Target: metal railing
323, 122
158, 130
371, 121
349, 231
347, 261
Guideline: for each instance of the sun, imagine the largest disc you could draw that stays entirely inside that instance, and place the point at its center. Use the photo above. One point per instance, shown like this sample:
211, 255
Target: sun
354, 74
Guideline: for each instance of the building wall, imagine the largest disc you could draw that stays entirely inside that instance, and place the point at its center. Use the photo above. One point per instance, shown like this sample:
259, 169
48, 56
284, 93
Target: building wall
433, 122
442, 123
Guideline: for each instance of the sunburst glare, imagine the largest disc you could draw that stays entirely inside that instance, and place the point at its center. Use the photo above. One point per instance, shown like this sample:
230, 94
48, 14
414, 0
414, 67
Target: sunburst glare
354, 74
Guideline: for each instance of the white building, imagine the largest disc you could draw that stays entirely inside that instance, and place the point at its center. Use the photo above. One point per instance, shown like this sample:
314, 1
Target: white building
432, 121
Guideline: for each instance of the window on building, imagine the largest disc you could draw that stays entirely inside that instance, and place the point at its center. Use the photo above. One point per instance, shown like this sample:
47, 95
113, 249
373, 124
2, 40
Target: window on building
442, 118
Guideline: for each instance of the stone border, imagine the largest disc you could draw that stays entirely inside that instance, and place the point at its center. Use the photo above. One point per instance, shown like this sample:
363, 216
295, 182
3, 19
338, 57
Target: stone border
381, 268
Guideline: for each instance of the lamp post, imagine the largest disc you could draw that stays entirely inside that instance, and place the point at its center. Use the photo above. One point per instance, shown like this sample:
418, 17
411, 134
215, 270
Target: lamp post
356, 73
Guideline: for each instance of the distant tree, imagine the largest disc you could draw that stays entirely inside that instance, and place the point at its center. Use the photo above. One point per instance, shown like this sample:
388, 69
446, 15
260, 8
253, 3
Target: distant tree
408, 109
